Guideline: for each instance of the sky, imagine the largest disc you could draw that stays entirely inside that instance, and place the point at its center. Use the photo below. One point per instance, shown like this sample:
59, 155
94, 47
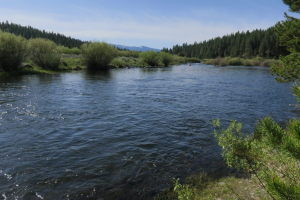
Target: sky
153, 23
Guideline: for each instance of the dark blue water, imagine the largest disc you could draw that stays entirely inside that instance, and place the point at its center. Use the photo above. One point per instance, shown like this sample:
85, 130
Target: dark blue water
124, 134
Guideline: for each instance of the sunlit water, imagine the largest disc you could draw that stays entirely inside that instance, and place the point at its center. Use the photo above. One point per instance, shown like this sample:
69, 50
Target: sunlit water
124, 134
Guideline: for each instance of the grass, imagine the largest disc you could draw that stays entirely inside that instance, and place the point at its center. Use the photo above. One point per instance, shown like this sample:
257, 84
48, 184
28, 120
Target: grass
71, 63
27, 71
67, 64
204, 187
229, 61
122, 61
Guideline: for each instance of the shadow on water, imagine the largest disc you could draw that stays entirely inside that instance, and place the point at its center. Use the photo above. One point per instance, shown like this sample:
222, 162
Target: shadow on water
102, 75
11, 78
47, 79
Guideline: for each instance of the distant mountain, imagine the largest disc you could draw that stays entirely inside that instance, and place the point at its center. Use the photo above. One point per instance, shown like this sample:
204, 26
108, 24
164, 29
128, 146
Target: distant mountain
133, 48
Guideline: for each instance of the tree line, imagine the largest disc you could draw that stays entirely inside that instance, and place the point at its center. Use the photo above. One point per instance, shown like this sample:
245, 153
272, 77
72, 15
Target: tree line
29, 32
262, 43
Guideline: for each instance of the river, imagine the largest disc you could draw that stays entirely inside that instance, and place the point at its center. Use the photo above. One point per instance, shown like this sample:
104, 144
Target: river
124, 133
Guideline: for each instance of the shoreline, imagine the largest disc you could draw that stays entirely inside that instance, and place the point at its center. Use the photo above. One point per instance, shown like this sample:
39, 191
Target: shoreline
237, 61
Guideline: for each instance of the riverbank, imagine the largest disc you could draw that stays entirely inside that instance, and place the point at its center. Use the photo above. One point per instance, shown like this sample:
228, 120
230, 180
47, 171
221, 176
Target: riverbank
125, 62
72, 62
205, 187
236, 61
28, 68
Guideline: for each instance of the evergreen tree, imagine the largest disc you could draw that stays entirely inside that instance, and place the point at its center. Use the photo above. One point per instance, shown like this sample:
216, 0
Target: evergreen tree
28, 32
263, 43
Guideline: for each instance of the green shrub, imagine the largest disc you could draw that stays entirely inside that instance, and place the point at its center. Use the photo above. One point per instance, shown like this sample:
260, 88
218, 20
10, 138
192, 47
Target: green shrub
166, 58
44, 53
271, 155
98, 55
151, 58
13, 50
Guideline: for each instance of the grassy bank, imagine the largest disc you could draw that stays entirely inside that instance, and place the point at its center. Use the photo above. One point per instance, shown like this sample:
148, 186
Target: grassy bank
130, 61
43, 56
204, 187
230, 61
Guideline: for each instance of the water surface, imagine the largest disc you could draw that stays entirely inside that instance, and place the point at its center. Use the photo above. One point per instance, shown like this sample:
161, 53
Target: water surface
124, 134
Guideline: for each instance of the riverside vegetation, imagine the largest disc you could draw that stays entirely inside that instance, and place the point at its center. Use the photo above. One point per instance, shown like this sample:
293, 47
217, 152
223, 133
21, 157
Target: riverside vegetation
21, 56
270, 157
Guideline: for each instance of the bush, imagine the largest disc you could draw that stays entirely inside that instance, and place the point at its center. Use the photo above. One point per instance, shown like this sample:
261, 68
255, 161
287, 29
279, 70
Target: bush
166, 58
271, 155
44, 53
98, 55
151, 58
12, 51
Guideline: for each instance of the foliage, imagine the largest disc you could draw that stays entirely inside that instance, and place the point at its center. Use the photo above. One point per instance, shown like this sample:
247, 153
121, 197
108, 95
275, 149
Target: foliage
271, 154
67, 50
228, 61
28, 32
71, 63
288, 69
166, 58
151, 58
13, 50
44, 53
293, 4
289, 33
262, 43
120, 62
184, 192
98, 55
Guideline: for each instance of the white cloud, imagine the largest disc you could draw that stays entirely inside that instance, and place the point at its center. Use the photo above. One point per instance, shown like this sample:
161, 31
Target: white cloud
153, 31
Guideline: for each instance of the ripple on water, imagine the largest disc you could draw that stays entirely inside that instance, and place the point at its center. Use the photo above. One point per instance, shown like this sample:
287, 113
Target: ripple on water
125, 132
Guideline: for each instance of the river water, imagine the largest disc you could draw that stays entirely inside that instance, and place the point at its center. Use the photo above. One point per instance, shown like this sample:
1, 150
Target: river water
124, 134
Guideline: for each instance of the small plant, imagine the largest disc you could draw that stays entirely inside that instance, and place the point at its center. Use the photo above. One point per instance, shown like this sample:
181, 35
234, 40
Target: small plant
44, 53
98, 55
184, 192
13, 51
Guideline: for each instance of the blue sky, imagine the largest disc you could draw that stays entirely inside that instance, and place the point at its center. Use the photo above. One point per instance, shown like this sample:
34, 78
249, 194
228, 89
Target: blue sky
154, 23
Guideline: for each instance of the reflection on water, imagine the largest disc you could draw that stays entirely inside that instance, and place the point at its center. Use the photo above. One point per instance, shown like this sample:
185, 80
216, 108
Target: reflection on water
124, 133
104, 75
